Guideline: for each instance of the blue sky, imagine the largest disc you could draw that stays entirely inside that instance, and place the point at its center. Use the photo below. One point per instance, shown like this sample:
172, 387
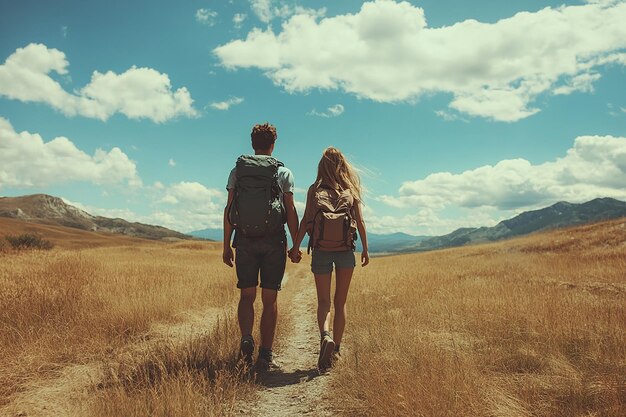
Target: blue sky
458, 113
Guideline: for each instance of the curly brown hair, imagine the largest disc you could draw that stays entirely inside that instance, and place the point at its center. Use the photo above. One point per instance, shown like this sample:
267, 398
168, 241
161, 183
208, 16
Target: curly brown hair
263, 136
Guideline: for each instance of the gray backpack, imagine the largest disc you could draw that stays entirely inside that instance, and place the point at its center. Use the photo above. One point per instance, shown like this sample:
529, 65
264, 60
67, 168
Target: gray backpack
256, 209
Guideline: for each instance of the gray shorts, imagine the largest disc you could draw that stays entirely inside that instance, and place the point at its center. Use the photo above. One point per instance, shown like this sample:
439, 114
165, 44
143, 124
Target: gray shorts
322, 262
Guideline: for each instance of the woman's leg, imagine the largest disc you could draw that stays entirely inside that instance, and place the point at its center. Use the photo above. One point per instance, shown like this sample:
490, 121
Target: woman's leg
344, 276
322, 283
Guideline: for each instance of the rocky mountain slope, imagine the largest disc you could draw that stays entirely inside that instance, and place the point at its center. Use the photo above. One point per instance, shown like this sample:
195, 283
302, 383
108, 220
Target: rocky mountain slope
47, 209
561, 214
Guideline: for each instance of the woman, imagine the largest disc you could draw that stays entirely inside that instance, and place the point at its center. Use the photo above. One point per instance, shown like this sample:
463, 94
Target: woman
332, 215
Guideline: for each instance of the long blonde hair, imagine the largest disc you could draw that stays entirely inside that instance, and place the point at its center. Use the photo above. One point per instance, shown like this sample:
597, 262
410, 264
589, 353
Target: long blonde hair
335, 171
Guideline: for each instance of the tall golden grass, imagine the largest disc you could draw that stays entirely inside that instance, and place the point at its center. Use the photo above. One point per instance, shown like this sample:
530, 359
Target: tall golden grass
193, 377
527, 327
64, 307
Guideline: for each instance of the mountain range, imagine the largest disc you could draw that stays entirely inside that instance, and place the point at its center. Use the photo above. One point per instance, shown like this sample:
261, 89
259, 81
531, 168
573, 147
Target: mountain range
378, 243
46, 209
561, 214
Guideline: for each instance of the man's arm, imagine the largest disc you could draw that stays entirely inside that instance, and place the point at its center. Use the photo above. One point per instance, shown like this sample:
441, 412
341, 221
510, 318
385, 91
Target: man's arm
305, 218
227, 254
292, 215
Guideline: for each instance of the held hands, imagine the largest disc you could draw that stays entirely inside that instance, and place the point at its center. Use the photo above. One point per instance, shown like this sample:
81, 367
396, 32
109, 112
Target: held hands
365, 258
227, 256
295, 255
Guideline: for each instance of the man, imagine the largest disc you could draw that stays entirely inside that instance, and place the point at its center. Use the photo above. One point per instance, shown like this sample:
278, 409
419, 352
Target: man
260, 200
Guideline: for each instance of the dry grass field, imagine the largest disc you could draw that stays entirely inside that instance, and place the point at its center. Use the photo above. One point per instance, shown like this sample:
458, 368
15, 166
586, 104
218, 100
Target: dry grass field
529, 327
63, 308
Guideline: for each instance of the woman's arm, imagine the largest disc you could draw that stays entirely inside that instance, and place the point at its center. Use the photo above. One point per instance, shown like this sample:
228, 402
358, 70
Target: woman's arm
360, 225
301, 232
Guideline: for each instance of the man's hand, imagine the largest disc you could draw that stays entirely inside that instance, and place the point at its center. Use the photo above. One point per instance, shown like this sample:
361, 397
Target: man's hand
227, 256
295, 255
365, 258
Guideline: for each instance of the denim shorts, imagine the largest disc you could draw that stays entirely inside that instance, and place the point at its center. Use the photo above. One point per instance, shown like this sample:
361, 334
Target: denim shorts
322, 261
266, 256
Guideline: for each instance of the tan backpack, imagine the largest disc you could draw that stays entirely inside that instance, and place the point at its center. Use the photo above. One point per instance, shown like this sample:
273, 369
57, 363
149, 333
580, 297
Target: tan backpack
333, 226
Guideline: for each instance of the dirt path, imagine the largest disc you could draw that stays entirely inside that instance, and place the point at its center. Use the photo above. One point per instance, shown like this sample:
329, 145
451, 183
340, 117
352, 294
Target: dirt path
298, 388
69, 393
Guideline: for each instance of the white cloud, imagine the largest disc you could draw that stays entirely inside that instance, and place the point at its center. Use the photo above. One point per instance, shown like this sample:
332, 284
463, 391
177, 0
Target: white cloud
238, 19
64, 30
387, 53
582, 83
27, 161
262, 9
183, 206
332, 111
137, 93
171, 162
187, 206
225, 105
206, 17
267, 10
430, 222
613, 111
192, 193
594, 167
449, 116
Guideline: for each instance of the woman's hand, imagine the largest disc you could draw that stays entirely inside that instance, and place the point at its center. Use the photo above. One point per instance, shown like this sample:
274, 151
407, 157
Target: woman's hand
365, 258
295, 255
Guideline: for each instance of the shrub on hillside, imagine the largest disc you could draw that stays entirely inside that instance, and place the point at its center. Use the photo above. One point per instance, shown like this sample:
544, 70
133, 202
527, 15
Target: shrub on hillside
29, 241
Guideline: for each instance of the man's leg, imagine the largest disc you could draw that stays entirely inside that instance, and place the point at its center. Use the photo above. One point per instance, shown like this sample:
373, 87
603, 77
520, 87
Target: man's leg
245, 310
245, 314
269, 317
272, 271
272, 268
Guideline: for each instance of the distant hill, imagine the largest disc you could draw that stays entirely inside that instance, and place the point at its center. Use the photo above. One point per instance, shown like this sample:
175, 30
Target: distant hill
67, 237
561, 214
46, 209
393, 242
210, 234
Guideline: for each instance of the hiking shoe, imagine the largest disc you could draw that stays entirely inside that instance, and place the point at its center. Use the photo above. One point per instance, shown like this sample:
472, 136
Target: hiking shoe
327, 347
265, 361
335, 357
264, 365
246, 350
